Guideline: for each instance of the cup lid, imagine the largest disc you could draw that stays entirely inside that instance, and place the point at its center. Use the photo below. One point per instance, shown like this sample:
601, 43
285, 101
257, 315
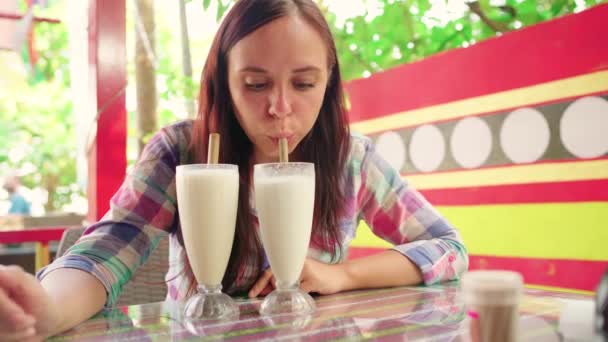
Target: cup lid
492, 286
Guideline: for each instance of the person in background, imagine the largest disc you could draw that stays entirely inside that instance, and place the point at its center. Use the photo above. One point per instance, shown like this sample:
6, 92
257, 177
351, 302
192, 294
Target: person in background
19, 205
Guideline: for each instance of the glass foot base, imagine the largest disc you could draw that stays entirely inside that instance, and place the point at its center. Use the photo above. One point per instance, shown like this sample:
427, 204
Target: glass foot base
290, 301
211, 306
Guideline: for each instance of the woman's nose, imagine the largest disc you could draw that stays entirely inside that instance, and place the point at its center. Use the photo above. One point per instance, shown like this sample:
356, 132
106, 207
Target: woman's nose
280, 104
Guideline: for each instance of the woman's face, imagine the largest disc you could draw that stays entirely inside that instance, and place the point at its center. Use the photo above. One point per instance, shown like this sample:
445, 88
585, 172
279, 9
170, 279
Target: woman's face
277, 77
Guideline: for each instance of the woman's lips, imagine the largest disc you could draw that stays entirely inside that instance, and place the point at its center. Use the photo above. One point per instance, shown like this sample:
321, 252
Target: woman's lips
275, 139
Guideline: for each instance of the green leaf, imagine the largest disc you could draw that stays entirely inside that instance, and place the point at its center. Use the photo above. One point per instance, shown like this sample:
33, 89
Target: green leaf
558, 6
221, 8
206, 4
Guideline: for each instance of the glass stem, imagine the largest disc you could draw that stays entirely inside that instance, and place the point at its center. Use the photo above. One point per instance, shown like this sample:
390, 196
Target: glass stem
210, 289
285, 286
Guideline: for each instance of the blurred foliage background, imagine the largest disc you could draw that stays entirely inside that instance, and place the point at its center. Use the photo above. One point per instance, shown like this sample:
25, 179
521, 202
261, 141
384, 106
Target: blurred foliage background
37, 130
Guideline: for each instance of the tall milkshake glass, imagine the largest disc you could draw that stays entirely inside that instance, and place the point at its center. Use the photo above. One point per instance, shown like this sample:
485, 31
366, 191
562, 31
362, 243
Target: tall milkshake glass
284, 199
207, 197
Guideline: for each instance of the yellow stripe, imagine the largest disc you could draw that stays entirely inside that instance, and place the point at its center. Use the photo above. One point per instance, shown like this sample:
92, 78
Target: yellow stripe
550, 230
518, 174
366, 239
545, 92
559, 289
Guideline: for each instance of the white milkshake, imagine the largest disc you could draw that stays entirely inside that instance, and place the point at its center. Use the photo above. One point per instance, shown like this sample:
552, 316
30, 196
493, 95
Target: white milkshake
284, 199
285, 207
207, 197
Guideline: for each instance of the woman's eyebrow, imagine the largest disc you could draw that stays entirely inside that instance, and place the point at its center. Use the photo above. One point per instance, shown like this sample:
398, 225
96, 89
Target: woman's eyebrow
307, 69
253, 69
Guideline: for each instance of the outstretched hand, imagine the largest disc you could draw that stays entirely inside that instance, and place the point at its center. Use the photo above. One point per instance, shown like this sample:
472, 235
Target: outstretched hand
27, 313
316, 277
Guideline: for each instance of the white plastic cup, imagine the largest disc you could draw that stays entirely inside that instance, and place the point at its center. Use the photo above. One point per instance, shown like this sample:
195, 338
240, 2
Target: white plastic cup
492, 301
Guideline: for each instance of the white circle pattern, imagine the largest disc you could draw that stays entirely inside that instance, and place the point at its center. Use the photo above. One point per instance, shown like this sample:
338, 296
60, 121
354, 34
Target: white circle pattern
392, 148
471, 142
525, 135
584, 127
427, 148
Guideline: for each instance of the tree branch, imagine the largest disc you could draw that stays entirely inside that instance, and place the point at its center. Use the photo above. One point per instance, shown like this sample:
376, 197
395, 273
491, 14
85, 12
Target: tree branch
496, 26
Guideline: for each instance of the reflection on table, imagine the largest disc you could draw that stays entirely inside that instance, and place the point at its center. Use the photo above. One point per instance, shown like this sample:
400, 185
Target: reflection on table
405, 314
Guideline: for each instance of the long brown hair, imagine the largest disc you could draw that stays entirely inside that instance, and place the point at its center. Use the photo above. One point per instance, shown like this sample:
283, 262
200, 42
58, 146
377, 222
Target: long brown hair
326, 145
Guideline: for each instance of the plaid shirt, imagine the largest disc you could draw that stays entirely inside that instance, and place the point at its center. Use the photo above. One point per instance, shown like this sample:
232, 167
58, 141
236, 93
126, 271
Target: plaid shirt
143, 211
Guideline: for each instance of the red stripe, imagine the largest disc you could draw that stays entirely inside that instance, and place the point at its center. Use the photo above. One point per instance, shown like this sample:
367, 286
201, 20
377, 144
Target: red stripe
575, 191
32, 235
569, 274
564, 48
13, 16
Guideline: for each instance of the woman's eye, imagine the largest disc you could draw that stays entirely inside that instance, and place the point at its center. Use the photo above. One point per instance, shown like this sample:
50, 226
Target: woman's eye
255, 86
304, 86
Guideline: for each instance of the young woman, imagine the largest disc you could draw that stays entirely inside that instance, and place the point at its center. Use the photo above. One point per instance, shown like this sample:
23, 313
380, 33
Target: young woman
272, 72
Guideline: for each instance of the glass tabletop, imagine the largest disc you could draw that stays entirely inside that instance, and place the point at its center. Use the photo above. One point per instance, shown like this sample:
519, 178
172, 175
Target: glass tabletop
404, 313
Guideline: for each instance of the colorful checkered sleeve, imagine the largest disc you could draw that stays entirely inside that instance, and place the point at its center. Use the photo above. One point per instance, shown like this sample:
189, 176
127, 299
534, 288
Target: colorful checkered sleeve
141, 211
399, 214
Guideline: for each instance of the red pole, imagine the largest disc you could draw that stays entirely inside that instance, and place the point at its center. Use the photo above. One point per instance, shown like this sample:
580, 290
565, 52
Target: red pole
108, 80
14, 16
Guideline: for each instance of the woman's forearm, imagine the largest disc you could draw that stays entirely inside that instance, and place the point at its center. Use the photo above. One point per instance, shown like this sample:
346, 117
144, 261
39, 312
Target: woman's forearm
389, 268
77, 296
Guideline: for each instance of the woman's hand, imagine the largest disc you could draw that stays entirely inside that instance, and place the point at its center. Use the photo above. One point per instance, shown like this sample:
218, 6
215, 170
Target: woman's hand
27, 313
264, 285
322, 278
316, 277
